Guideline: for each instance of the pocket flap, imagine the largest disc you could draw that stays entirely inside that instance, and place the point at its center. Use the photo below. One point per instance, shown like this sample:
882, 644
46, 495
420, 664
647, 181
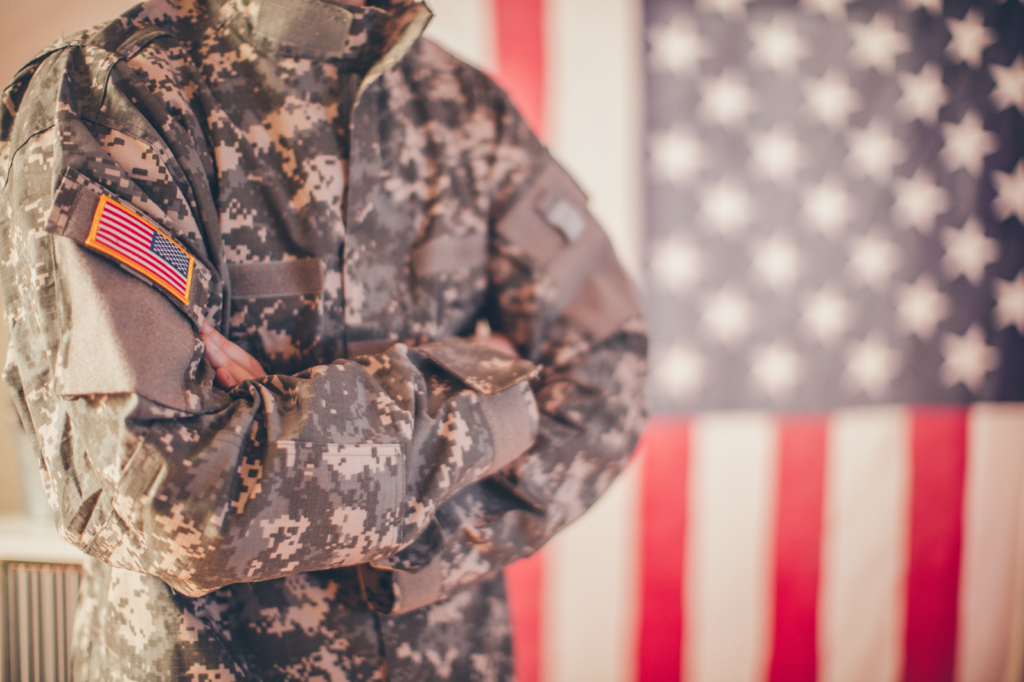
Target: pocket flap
481, 368
276, 278
106, 225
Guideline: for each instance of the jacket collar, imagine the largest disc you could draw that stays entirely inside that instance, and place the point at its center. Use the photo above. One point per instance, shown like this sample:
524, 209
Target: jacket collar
372, 38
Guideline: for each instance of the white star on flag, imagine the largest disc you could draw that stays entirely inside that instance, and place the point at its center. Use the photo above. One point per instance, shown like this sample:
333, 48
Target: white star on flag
873, 260
921, 307
777, 262
727, 8
676, 154
833, 9
968, 251
678, 264
871, 365
967, 359
778, 45
776, 369
1009, 90
1009, 192
827, 206
924, 93
967, 144
830, 99
875, 151
726, 100
877, 43
837, 176
677, 47
933, 6
970, 38
1009, 310
777, 154
681, 371
919, 201
726, 207
728, 316
826, 315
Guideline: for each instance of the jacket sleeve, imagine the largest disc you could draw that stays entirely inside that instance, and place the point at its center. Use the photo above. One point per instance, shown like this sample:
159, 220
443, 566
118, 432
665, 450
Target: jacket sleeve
147, 466
561, 296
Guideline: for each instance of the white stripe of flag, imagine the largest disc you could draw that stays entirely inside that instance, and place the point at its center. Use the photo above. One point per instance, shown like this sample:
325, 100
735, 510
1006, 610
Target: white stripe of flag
591, 599
133, 238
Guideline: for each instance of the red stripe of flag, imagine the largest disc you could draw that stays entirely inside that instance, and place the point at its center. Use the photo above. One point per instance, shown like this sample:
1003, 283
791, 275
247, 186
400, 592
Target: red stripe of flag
521, 71
521, 59
798, 547
939, 441
131, 235
143, 257
663, 514
524, 581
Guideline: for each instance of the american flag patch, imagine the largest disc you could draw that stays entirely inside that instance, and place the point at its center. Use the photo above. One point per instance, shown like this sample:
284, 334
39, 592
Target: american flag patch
129, 238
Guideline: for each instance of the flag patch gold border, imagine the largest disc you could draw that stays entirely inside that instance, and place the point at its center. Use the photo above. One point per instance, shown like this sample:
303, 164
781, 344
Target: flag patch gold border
116, 242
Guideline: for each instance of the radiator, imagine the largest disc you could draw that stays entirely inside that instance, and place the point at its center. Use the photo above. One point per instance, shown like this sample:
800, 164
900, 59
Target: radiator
38, 608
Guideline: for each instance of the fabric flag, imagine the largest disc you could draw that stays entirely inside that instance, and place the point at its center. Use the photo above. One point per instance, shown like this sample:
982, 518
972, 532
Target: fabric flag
829, 236
834, 222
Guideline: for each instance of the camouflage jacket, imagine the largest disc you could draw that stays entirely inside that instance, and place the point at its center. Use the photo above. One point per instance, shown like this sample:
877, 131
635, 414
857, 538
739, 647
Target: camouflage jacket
345, 201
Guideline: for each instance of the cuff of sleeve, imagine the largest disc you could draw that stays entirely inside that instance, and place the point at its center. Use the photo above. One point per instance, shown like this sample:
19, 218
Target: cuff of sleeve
512, 417
393, 592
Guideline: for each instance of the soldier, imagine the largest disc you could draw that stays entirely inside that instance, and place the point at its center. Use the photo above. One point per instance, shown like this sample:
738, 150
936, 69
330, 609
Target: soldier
244, 245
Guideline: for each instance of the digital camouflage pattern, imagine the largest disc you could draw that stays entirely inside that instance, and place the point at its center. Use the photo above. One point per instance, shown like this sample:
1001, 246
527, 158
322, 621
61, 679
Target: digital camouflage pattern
355, 200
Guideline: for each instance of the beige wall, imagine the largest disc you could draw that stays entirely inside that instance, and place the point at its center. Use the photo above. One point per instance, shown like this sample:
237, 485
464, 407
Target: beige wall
25, 28
28, 26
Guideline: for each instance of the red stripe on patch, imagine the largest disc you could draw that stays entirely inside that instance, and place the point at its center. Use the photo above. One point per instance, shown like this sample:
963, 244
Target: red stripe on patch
127, 238
939, 441
803, 443
663, 513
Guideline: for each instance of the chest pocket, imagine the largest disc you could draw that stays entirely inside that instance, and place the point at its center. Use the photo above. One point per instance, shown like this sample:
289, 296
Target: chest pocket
277, 312
449, 275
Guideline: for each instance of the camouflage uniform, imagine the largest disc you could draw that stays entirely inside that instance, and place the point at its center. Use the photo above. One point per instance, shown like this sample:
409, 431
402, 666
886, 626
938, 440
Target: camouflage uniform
350, 200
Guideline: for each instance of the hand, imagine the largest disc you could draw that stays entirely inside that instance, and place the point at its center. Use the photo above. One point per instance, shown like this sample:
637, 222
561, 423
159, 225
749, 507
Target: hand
493, 340
232, 364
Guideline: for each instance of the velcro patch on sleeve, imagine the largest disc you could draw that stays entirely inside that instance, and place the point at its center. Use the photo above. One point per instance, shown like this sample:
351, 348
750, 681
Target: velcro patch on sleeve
128, 238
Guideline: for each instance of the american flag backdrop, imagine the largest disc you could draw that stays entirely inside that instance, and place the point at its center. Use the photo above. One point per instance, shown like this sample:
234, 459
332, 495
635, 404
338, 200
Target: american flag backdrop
823, 204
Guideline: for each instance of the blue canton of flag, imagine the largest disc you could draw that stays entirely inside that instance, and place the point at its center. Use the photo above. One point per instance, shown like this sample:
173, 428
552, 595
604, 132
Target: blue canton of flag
170, 253
835, 195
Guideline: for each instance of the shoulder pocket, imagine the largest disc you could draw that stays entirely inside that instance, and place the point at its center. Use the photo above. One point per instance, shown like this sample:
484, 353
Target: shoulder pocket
550, 230
124, 334
82, 211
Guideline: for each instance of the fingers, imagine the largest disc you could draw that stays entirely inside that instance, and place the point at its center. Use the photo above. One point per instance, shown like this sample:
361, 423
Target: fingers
232, 364
224, 379
499, 342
